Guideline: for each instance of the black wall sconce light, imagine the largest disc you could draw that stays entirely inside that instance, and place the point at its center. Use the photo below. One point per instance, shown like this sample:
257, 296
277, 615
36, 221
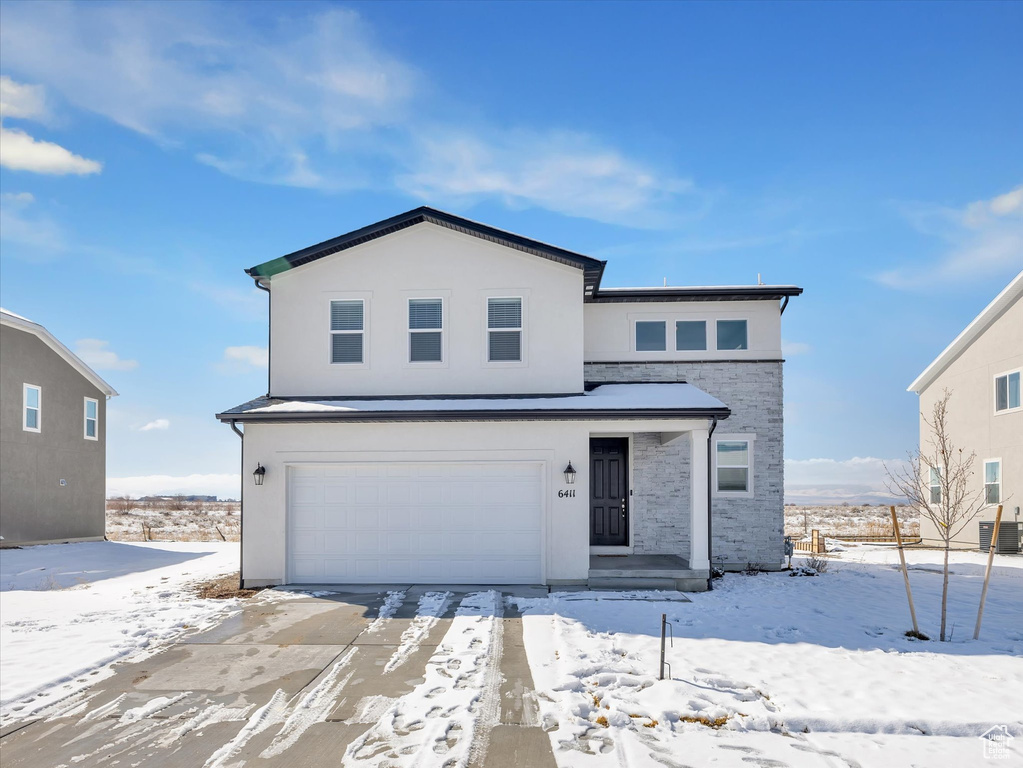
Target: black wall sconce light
258, 473
570, 474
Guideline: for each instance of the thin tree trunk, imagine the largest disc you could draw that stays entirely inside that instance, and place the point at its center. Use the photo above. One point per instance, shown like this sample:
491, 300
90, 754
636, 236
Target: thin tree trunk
944, 592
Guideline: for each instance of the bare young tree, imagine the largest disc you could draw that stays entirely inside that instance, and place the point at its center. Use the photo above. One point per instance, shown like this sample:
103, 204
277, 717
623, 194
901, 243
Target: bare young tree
937, 483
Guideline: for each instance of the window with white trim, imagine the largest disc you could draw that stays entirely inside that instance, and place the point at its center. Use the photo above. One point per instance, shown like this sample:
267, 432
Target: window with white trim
1007, 392
935, 485
732, 334
33, 408
504, 330
91, 419
690, 335
347, 331
993, 481
732, 465
425, 330
651, 336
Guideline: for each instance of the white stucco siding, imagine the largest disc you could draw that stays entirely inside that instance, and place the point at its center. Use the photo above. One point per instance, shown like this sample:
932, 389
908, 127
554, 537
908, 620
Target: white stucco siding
427, 261
610, 335
548, 445
973, 423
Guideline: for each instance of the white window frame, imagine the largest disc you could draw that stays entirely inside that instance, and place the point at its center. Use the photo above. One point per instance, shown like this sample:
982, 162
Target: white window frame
933, 483
667, 322
410, 330
365, 332
994, 392
523, 348
985, 482
750, 439
38, 409
717, 343
706, 334
85, 413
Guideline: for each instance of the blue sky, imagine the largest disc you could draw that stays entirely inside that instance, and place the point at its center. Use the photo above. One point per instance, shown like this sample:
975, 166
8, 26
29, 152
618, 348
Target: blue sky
871, 153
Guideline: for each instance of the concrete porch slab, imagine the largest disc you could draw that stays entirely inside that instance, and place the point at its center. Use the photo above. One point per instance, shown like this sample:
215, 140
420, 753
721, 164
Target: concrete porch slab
645, 572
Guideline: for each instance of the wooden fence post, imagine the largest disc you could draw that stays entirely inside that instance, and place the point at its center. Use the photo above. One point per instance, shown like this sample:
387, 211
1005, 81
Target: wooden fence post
987, 571
905, 570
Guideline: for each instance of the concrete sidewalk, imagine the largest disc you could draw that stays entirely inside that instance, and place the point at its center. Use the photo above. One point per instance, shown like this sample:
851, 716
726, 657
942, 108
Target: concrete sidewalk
294, 680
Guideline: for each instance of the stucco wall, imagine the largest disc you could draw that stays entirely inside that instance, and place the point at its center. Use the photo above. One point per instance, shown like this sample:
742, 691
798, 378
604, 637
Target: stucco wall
973, 422
420, 262
748, 529
610, 335
34, 506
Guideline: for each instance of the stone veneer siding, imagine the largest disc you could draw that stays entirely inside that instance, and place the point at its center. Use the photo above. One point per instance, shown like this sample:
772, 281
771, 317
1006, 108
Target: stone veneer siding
744, 530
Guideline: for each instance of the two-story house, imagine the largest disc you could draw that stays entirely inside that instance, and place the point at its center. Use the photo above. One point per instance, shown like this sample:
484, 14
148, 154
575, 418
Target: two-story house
982, 369
53, 439
452, 403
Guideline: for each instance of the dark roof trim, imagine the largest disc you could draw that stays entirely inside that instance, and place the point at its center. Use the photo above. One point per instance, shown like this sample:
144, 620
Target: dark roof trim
530, 414
593, 269
708, 293
677, 362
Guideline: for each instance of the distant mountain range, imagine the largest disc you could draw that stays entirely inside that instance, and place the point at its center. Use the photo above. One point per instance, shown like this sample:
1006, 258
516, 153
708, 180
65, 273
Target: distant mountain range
838, 494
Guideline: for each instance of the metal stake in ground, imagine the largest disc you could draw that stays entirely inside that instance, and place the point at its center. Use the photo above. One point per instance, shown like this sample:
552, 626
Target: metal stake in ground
905, 571
987, 572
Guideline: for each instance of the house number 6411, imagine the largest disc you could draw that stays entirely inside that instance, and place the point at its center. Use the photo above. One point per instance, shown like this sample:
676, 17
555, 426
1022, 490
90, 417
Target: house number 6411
566, 494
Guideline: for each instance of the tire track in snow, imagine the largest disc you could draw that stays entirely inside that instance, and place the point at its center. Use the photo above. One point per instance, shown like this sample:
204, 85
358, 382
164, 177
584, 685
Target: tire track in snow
391, 605
269, 714
431, 607
489, 703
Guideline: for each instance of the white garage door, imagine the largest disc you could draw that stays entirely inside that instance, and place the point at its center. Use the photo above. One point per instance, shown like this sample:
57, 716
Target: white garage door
440, 523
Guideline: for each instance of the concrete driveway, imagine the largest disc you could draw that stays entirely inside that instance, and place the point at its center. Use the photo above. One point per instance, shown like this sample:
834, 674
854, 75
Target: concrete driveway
378, 677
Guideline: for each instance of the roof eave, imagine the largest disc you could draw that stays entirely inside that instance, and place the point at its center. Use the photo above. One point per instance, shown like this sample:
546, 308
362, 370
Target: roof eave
532, 414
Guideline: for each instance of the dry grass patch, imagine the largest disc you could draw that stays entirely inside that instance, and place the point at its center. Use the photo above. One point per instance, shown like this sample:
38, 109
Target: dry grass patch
715, 723
224, 588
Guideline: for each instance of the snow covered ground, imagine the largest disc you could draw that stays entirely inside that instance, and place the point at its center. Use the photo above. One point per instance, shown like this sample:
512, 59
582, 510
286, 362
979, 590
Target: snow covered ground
67, 611
805, 671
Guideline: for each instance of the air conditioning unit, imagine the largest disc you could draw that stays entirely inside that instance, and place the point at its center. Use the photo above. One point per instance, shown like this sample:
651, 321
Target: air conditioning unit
1008, 537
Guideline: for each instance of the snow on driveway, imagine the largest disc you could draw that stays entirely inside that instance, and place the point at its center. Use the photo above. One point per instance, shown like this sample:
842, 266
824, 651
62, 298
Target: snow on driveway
67, 611
803, 671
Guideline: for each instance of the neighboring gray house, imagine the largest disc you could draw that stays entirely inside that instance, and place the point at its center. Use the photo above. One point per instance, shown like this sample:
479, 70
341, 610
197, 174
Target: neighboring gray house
452, 403
982, 368
53, 440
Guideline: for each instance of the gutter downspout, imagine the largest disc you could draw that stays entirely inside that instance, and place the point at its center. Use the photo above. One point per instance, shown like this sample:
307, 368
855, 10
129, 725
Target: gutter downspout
710, 521
785, 303
241, 511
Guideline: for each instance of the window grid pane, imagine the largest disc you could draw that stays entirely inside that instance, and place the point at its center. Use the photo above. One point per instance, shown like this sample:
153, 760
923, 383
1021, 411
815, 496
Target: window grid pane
690, 334
733, 453
732, 334
32, 397
90, 409
650, 336
425, 347
90, 427
425, 313
733, 479
346, 315
504, 313
992, 493
346, 348
32, 418
505, 346
1014, 390
1001, 393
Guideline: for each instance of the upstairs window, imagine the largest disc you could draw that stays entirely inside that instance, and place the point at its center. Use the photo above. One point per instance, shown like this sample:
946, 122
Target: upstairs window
935, 485
91, 419
33, 408
650, 336
733, 466
1007, 392
425, 330
504, 330
346, 331
732, 334
993, 481
690, 335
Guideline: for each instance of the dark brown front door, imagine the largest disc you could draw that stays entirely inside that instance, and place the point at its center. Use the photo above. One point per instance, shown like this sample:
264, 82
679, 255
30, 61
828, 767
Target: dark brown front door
609, 491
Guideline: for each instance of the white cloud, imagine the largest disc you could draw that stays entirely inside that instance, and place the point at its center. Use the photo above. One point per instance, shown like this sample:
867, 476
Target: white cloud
223, 486
20, 223
155, 424
982, 239
20, 152
790, 348
96, 355
243, 359
567, 172
21, 100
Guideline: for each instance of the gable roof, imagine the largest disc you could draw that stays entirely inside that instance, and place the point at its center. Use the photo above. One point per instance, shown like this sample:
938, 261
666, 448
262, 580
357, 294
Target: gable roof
24, 324
1009, 296
592, 268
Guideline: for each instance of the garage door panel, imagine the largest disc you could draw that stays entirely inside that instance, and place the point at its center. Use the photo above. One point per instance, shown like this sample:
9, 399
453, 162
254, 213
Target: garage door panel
423, 522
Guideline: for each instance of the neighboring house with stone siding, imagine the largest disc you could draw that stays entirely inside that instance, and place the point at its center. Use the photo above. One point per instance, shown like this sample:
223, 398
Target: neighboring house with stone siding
53, 439
451, 403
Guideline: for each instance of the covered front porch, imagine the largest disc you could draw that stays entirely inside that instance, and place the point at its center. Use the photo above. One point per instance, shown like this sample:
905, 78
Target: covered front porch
645, 572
